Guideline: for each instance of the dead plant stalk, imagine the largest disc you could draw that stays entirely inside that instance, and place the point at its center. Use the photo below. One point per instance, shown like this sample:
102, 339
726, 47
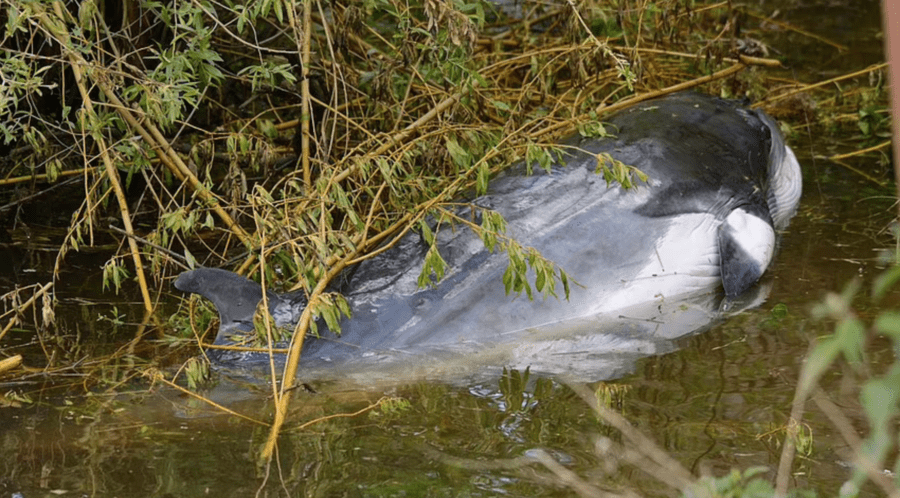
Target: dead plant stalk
77, 62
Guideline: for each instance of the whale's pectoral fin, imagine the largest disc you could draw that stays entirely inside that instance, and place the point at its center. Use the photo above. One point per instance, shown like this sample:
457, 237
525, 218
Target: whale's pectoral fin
234, 296
746, 247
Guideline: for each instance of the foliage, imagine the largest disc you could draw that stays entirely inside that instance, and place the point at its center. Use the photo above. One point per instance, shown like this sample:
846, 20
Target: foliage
737, 484
330, 307
390, 409
196, 371
879, 396
615, 171
113, 275
231, 85
299, 138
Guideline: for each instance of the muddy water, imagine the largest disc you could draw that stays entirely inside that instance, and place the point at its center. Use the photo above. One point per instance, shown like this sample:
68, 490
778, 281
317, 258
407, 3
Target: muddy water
714, 404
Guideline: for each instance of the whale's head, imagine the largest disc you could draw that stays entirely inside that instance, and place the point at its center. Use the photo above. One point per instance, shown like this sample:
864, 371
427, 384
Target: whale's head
746, 237
714, 156
785, 182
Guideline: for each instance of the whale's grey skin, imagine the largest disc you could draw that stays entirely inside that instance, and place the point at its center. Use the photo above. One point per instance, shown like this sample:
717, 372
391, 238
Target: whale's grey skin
721, 181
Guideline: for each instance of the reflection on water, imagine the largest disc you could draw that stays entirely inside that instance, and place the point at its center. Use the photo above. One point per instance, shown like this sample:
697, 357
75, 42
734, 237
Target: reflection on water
713, 401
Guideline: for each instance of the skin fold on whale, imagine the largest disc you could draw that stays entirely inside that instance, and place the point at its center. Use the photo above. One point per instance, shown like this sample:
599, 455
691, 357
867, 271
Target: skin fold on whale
722, 181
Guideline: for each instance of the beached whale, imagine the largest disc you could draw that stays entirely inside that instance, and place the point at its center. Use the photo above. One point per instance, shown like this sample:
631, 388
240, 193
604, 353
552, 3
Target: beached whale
721, 182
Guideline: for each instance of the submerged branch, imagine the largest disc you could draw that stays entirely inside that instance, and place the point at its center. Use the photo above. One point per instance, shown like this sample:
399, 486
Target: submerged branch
157, 376
674, 474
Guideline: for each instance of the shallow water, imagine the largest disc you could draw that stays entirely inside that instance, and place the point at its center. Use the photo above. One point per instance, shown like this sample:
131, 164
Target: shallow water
715, 403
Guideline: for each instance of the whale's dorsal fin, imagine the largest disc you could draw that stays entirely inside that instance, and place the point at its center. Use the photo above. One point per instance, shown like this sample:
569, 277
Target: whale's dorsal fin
746, 247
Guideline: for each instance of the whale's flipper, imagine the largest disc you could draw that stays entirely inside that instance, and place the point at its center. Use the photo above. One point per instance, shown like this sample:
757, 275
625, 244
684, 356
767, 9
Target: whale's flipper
234, 296
746, 247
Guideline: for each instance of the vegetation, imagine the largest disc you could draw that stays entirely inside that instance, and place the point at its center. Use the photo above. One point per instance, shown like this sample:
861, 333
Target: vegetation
355, 122
289, 140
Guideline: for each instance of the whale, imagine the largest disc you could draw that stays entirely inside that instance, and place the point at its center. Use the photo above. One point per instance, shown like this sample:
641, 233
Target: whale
647, 264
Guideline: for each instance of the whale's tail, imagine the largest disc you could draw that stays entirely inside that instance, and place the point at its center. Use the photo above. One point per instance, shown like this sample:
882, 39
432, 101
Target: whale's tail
234, 296
236, 299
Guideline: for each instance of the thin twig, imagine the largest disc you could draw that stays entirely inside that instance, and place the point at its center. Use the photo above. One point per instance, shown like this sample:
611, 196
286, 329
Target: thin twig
24, 306
676, 475
882, 145
806, 88
795, 29
178, 259
45, 177
10, 363
848, 432
157, 376
22, 200
343, 415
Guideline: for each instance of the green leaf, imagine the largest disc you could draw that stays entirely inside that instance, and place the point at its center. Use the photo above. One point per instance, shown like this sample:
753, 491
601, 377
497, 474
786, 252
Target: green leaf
593, 129
851, 334
564, 278
343, 305
461, 158
820, 358
499, 104
433, 269
779, 311
885, 282
879, 398
482, 180
189, 258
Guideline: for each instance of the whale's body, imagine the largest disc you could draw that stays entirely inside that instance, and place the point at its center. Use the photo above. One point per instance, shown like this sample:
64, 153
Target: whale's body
721, 182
